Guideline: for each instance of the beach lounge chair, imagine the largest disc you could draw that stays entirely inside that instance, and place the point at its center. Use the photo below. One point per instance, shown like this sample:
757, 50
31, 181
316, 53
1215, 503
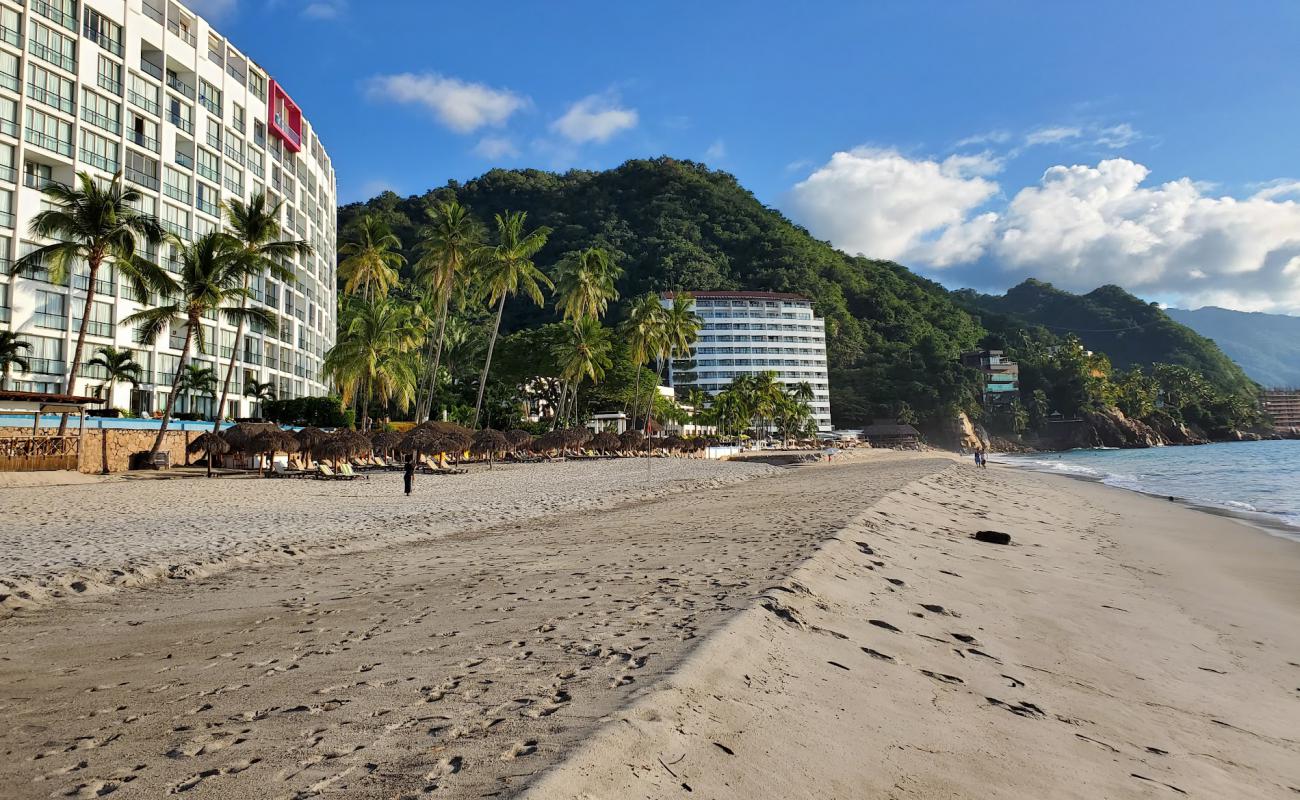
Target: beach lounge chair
323, 472
279, 470
345, 471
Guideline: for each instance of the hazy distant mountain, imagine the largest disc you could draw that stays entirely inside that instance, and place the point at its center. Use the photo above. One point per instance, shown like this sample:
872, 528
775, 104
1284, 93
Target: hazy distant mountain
1267, 346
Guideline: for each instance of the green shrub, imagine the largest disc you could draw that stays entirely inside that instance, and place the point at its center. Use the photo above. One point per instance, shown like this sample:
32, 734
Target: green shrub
319, 412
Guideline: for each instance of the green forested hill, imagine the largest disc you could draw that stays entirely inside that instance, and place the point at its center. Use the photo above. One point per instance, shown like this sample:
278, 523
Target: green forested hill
1130, 331
679, 225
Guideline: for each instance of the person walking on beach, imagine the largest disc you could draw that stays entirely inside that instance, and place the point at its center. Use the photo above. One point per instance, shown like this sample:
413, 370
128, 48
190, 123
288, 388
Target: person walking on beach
977, 456
408, 473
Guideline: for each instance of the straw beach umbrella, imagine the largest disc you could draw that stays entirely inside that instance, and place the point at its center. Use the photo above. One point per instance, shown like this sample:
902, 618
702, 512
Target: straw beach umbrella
308, 439
386, 441
577, 437
606, 442
274, 441
489, 442
631, 440
212, 444
548, 442
519, 439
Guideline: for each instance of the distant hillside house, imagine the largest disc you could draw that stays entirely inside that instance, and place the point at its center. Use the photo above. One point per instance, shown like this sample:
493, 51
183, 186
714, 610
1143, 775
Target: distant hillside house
1001, 376
745, 333
1283, 405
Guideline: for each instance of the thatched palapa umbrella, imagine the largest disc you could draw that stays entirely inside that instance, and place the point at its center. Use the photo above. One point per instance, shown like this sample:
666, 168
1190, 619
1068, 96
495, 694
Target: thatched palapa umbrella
342, 445
631, 440
308, 440
240, 437
489, 442
386, 441
606, 442
274, 441
577, 437
519, 439
547, 442
211, 444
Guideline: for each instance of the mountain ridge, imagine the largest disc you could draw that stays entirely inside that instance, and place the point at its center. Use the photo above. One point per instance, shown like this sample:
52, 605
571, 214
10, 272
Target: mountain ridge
1267, 346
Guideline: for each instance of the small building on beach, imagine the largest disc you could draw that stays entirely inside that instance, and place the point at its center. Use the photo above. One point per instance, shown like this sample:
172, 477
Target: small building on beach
892, 435
34, 449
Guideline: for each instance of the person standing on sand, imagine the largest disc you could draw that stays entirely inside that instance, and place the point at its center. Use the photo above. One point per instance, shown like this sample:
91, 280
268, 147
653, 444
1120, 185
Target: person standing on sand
408, 473
977, 456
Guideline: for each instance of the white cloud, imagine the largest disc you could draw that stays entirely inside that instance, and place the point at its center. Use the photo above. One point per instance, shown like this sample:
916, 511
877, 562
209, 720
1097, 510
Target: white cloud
1079, 226
595, 118
989, 137
1116, 136
212, 9
883, 204
464, 107
495, 147
717, 151
1052, 135
324, 9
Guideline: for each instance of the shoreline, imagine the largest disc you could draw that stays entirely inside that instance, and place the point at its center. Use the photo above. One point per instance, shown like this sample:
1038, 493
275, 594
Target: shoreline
1120, 647
1261, 521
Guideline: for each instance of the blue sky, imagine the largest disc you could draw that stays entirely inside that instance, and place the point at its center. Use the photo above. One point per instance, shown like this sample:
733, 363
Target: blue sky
1150, 144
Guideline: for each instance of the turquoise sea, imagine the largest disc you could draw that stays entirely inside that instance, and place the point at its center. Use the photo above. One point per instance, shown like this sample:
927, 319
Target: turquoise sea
1257, 481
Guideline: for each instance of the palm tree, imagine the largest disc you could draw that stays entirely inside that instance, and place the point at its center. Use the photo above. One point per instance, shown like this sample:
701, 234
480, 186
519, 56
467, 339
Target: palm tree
583, 355
373, 355
643, 330
508, 269
697, 399
196, 379
11, 355
447, 245
255, 226
117, 365
213, 269
97, 224
584, 287
260, 393
370, 262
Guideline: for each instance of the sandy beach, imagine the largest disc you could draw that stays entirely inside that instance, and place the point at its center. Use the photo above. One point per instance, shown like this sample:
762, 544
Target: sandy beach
734, 630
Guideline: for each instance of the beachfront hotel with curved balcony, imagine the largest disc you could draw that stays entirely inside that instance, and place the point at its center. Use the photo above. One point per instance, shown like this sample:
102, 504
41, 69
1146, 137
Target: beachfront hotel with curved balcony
150, 89
745, 333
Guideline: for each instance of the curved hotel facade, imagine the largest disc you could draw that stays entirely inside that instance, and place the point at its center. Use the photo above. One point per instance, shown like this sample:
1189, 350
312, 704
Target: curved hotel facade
147, 88
752, 332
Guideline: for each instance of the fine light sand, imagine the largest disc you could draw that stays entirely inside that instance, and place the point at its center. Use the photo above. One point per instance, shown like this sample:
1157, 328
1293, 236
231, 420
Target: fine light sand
97, 534
827, 631
1122, 647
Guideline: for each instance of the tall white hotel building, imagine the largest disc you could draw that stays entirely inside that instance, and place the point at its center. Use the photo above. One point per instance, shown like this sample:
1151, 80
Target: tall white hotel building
147, 88
747, 333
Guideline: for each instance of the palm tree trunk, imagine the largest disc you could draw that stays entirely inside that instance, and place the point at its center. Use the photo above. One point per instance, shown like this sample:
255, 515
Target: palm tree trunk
636, 396
192, 325
365, 406
94, 262
234, 354
437, 361
559, 407
487, 365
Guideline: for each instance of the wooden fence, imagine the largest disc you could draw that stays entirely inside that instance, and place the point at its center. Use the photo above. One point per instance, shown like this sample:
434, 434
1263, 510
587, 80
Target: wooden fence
39, 453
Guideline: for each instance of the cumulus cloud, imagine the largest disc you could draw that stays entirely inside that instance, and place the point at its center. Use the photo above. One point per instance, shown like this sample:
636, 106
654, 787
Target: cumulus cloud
883, 204
494, 147
595, 118
461, 106
1078, 226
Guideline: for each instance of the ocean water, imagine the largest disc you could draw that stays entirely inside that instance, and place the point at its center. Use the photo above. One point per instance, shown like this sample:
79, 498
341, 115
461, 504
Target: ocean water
1257, 481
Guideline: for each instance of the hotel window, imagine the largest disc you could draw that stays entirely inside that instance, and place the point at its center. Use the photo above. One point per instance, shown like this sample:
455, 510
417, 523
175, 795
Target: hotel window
142, 131
257, 84
53, 47
203, 227
207, 199
180, 114
215, 50
49, 132
101, 112
51, 310
109, 75
210, 97
257, 163
63, 12
9, 116
176, 184
214, 134
235, 181
6, 305
50, 88
208, 165
101, 319
45, 355
8, 168
7, 202
103, 32
142, 94
11, 26
98, 151
9, 71
176, 220
237, 118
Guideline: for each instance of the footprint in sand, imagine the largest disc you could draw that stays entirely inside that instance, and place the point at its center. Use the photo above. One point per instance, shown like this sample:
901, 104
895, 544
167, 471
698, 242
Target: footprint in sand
519, 750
